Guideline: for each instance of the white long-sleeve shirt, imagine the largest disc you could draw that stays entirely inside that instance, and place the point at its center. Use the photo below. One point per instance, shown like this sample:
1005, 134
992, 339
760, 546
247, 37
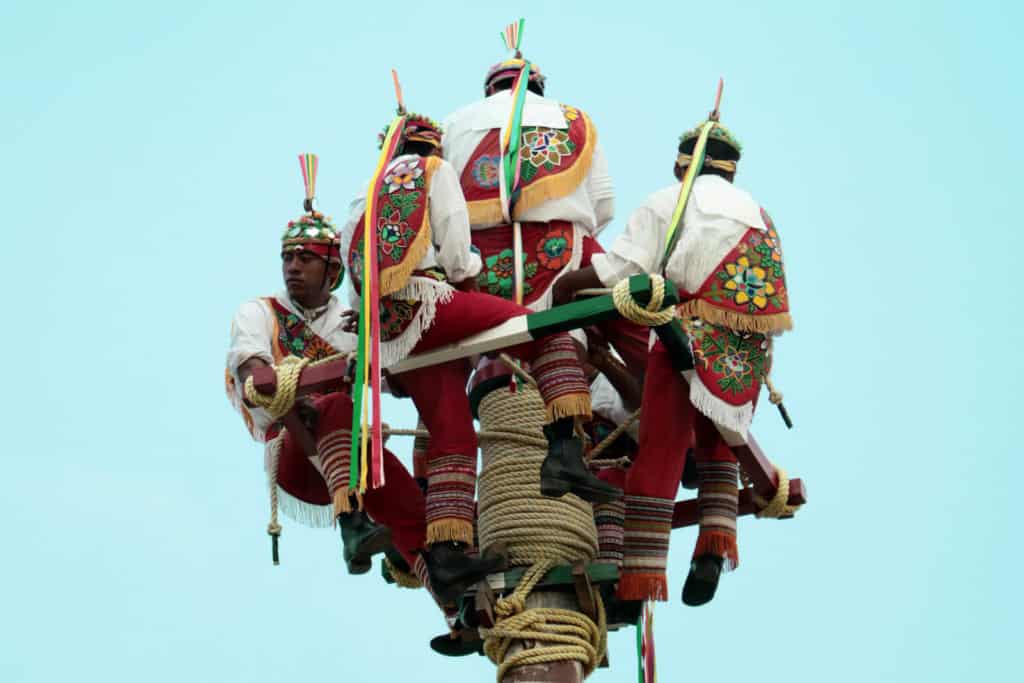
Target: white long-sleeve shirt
591, 206
716, 217
252, 335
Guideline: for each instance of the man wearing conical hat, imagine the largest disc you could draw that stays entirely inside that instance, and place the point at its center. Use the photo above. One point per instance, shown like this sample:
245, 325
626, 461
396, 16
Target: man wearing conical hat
427, 273
562, 199
726, 262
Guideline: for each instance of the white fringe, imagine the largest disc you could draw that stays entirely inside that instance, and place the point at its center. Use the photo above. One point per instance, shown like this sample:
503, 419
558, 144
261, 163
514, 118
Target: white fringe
736, 418
429, 293
307, 514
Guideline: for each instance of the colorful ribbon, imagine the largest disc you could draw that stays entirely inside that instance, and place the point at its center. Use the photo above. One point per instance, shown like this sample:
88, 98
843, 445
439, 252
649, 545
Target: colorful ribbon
513, 34
309, 163
368, 374
646, 672
674, 230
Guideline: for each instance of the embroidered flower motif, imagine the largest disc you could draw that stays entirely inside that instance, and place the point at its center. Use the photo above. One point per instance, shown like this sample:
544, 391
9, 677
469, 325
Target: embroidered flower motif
403, 175
555, 251
748, 283
545, 147
393, 234
733, 363
485, 171
570, 113
395, 316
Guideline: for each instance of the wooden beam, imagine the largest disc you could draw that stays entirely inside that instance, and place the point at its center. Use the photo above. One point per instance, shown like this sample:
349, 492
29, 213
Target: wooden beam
686, 512
517, 330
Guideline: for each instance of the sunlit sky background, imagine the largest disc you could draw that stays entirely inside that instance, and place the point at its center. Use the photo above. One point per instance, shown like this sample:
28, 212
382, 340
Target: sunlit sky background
149, 166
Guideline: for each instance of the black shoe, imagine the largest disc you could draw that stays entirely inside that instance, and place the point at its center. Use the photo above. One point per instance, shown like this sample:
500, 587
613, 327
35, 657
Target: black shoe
690, 479
452, 571
563, 470
702, 580
361, 539
459, 644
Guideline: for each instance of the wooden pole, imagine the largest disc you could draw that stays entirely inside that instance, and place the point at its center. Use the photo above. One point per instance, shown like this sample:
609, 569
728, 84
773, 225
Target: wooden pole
552, 672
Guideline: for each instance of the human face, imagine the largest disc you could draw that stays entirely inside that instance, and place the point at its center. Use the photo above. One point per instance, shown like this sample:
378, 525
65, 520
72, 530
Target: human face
306, 277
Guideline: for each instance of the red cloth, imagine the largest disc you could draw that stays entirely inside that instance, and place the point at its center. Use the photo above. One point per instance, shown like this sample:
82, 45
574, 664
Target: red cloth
398, 505
670, 426
627, 338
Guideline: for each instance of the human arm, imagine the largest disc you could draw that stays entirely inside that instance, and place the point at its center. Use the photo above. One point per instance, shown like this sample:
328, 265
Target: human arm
565, 287
601, 357
600, 190
449, 222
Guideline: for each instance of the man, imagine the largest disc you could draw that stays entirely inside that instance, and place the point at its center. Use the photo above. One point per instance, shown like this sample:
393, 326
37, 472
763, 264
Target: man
728, 265
566, 196
310, 459
427, 274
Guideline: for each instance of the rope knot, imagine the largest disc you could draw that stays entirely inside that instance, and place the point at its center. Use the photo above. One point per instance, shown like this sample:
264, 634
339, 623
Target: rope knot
651, 315
281, 401
779, 505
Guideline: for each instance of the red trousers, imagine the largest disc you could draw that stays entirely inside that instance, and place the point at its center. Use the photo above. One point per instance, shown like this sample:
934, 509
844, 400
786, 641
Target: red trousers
324, 477
439, 393
669, 426
627, 338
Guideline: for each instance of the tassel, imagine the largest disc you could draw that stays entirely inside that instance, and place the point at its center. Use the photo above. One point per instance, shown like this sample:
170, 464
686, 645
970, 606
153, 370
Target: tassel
457, 530
642, 586
309, 164
512, 36
645, 645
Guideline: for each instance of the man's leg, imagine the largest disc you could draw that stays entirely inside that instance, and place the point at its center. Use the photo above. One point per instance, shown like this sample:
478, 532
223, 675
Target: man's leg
560, 381
653, 480
717, 499
439, 393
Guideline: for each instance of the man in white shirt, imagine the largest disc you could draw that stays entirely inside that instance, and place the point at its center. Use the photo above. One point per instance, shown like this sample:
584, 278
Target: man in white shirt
427, 274
727, 265
309, 461
565, 197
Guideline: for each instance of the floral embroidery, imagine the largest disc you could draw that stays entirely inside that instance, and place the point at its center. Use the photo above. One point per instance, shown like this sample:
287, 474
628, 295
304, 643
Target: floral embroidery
748, 283
555, 251
751, 279
295, 338
544, 148
394, 235
570, 113
485, 171
730, 362
403, 175
498, 277
395, 316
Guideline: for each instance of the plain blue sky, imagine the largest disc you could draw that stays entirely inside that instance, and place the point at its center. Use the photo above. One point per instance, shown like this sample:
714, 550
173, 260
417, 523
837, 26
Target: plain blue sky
149, 166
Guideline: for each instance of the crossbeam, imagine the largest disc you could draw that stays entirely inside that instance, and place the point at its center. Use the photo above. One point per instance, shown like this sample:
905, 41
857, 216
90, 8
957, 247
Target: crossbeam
687, 513
514, 331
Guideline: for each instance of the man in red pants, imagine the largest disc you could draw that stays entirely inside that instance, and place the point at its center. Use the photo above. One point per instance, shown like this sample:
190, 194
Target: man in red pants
427, 273
727, 264
311, 468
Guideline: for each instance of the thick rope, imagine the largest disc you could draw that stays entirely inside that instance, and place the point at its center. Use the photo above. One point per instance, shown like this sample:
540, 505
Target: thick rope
539, 533
651, 315
779, 505
274, 526
288, 372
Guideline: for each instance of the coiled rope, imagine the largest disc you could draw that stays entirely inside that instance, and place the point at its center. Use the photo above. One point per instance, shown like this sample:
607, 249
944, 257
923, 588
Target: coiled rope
539, 533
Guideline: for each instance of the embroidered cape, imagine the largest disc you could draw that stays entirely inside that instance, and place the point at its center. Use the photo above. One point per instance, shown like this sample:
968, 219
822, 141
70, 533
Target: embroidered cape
553, 163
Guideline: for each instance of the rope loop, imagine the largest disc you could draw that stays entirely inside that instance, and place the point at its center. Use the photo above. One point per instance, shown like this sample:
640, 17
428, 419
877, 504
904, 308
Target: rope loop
651, 315
281, 401
779, 505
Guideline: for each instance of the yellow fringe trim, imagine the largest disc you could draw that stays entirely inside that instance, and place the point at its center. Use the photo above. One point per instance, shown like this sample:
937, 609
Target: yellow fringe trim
570, 405
395, 277
739, 322
548, 188
458, 530
402, 579
343, 500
